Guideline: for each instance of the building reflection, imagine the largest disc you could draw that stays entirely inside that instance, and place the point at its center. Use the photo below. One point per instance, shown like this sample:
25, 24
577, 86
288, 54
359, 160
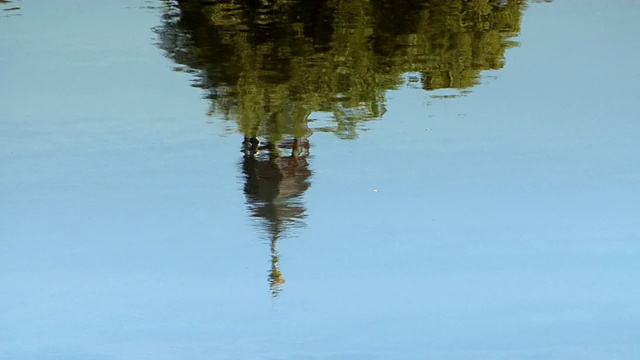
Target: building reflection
266, 66
276, 175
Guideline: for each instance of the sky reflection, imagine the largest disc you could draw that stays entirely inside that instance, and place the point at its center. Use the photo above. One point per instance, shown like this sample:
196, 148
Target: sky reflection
135, 226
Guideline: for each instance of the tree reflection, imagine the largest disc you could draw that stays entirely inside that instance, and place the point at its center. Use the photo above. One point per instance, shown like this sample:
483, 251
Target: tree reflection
267, 65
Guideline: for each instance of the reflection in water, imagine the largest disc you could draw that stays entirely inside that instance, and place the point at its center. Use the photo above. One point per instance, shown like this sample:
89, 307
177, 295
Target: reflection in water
274, 184
267, 65
9, 8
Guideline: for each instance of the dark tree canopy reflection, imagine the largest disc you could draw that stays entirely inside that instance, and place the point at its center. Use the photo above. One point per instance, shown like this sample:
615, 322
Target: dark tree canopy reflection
267, 65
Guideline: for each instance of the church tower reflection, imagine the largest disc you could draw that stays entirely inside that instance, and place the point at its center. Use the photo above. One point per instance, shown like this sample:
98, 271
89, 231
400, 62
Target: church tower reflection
265, 67
276, 176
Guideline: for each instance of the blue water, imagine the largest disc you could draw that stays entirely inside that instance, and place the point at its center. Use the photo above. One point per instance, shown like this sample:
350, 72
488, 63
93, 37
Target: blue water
502, 224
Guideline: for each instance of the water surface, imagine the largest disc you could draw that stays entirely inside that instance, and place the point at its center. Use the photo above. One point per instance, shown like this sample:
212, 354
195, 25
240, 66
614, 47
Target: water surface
324, 180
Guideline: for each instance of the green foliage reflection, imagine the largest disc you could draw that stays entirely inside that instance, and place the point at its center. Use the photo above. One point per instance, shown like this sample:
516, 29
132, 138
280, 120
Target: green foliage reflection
268, 64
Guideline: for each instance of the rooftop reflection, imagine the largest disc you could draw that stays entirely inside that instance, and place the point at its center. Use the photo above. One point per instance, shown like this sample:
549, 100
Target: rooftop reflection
266, 66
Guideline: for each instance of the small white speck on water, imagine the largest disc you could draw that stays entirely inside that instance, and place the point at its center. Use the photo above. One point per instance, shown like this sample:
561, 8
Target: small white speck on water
375, 190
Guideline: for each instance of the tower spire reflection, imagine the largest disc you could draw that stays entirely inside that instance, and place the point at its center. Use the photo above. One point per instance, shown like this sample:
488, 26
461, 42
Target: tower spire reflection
276, 176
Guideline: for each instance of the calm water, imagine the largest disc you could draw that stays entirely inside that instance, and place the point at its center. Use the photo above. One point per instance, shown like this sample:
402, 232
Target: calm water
319, 180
